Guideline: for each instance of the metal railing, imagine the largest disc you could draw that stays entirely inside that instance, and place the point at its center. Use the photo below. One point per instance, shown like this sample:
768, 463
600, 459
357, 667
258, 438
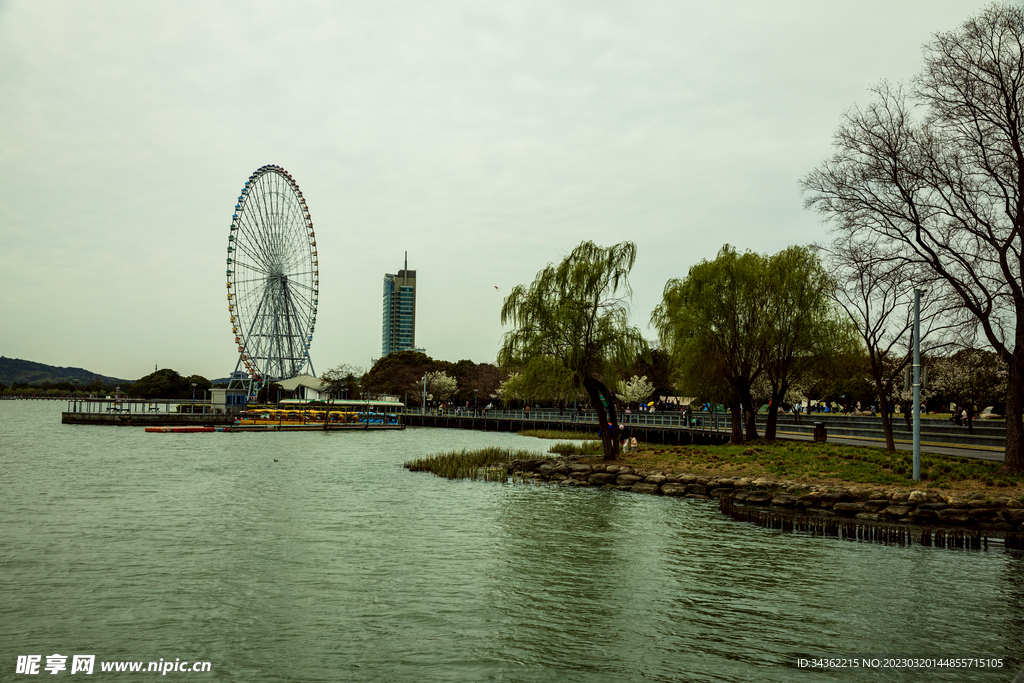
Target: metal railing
138, 406
710, 422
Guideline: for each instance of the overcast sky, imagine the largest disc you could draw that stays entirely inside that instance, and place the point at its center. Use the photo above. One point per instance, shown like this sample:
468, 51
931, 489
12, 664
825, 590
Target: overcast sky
486, 139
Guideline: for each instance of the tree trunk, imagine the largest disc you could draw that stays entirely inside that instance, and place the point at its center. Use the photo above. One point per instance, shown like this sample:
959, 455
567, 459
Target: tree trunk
749, 417
883, 404
1013, 459
605, 416
773, 413
736, 423
770, 425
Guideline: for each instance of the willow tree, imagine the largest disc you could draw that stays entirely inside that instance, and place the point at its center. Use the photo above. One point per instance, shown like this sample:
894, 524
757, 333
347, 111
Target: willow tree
803, 330
712, 323
570, 327
755, 324
935, 173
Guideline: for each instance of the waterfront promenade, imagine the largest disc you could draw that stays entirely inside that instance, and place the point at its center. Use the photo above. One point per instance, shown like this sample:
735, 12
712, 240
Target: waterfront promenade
937, 436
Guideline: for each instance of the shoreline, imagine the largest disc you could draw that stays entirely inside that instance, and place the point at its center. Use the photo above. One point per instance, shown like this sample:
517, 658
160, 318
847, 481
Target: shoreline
873, 513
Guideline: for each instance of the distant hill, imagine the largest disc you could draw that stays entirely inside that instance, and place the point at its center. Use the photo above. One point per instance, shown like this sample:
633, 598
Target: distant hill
16, 370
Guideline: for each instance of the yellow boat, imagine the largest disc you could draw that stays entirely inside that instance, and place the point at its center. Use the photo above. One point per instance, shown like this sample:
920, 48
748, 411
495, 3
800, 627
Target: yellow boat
308, 420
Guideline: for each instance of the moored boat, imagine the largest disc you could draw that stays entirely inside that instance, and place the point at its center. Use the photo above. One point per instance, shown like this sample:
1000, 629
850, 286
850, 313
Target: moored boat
286, 419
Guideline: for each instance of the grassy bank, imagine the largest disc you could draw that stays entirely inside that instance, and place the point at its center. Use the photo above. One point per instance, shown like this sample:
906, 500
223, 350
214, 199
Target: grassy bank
578, 448
802, 462
826, 463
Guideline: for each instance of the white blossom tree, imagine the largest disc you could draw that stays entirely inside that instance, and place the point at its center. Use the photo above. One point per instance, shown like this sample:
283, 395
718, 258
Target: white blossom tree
971, 377
635, 389
439, 385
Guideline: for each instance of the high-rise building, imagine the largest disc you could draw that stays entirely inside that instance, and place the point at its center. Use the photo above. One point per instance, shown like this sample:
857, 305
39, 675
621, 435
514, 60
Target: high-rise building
399, 310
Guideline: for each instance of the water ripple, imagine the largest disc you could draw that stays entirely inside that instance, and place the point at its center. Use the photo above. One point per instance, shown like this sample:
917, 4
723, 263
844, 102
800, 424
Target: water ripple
334, 563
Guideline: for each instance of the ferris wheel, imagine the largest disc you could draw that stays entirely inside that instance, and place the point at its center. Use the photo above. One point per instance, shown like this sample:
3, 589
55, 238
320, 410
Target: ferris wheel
273, 280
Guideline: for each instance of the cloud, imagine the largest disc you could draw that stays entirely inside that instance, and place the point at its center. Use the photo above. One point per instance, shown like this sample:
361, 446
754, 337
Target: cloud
485, 140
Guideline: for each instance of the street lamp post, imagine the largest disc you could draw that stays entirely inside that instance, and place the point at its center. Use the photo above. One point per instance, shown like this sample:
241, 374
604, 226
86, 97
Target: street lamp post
76, 395
917, 385
194, 397
475, 394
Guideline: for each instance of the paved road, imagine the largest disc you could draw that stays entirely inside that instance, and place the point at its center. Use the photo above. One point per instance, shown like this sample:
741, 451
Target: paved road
976, 453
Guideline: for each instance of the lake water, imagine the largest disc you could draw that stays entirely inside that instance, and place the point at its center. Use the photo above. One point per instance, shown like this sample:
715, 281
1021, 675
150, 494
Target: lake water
333, 563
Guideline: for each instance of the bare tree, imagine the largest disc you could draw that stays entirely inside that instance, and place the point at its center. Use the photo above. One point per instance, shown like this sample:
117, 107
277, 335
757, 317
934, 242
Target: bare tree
875, 286
936, 174
343, 381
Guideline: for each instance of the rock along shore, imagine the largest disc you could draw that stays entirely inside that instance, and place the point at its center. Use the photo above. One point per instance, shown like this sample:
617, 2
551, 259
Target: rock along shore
929, 517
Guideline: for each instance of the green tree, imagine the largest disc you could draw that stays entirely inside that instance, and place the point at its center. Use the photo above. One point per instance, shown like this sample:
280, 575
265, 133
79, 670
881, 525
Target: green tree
657, 368
803, 331
571, 324
400, 373
757, 324
97, 387
510, 389
712, 325
202, 385
269, 393
165, 383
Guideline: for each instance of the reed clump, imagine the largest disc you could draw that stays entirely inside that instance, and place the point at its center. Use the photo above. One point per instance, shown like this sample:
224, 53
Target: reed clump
485, 464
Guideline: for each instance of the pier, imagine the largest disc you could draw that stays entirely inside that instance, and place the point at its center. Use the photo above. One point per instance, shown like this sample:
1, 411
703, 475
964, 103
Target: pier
126, 412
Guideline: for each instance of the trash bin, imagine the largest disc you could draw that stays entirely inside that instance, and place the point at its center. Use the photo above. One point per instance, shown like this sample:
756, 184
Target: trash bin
819, 432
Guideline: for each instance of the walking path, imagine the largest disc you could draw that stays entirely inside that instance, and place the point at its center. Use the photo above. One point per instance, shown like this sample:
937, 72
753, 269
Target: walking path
978, 452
